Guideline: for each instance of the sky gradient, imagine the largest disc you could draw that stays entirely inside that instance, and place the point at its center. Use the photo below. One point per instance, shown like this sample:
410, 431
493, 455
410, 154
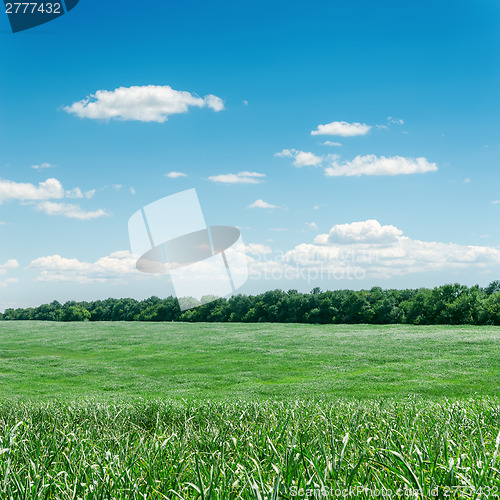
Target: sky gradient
355, 144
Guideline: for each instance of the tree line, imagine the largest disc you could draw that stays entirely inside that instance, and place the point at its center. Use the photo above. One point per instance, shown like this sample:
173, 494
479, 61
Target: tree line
452, 304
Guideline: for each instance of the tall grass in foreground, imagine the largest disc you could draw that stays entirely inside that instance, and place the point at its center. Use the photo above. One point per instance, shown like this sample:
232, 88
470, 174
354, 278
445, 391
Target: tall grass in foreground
209, 450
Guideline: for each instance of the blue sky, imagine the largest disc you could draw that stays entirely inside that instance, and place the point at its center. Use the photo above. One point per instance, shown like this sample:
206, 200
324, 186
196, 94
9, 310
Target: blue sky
420, 79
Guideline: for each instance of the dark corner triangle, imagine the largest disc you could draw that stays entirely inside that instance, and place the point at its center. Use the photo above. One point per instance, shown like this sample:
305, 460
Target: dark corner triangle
70, 4
21, 21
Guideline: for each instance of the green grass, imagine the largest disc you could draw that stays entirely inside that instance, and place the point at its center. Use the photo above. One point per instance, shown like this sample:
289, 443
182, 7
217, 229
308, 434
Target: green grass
222, 450
236, 411
250, 361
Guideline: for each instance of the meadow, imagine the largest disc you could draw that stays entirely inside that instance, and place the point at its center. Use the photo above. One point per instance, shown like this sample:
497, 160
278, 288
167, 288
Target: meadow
42, 360
209, 411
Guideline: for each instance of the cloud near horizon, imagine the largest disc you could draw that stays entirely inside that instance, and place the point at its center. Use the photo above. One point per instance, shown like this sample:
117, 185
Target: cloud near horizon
368, 231
114, 267
149, 103
369, 249
362, 249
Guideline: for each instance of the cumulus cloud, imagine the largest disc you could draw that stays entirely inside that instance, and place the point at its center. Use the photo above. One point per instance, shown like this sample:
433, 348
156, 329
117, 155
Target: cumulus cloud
261, 204
360, 165
300, 158
368, 249
149, 103
57, 269
69, 210
368, 231
21, 191
38, 196
380, 165
343, 129
175, 175
239, 178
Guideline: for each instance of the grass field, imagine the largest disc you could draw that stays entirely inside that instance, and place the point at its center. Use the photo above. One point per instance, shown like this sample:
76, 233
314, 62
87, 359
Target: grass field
251, 361
249, 450
228, 411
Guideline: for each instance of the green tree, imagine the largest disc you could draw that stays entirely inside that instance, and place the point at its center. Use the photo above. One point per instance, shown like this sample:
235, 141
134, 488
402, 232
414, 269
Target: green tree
75, 313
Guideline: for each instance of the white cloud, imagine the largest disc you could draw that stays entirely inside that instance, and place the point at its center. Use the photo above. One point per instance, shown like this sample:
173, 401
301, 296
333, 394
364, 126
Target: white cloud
300, 158
10, 190
150, 103
312, 225
467, 181
495, 202
343, 129
261, 204
56, 269
381, 165
330, 143
368, 249
239, 178
368, 231
74, 193
42, 166
132, 190
49, 190
175, 175
69, 210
